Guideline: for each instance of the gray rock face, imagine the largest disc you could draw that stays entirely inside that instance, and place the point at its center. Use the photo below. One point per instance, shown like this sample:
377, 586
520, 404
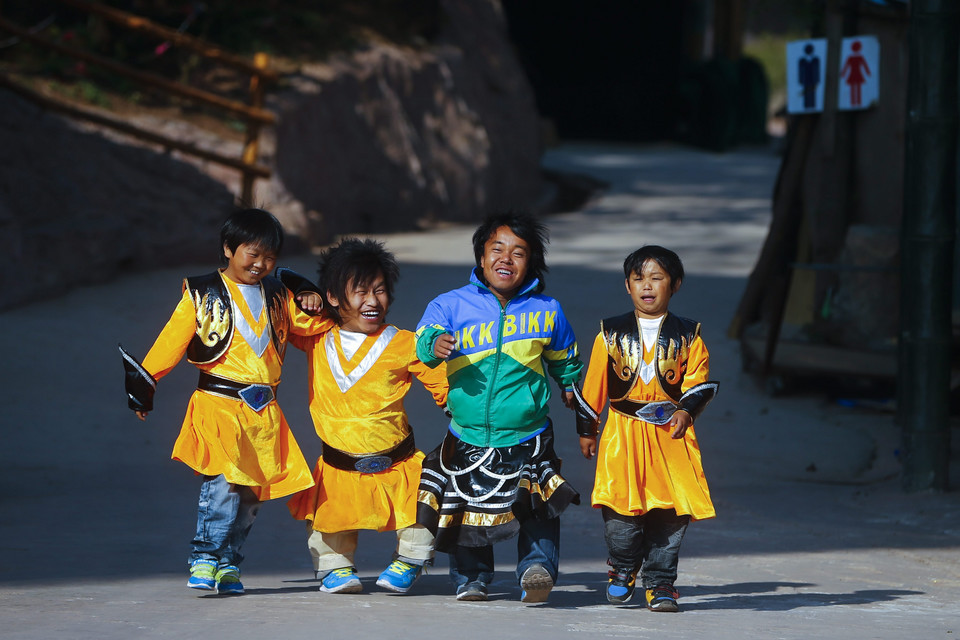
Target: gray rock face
390, 139
384, 139
78, 208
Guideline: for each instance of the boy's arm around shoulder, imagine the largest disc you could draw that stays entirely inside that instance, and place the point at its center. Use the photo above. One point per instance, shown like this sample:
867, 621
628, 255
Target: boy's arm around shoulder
298, 285
433, 379
304, 304
306, 324
306, 295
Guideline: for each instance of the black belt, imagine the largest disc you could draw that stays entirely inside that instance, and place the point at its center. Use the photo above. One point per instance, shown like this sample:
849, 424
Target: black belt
255, 396
375, 463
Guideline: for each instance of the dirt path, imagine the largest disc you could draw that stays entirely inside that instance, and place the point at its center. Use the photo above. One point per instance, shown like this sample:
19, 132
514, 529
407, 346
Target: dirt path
813, 536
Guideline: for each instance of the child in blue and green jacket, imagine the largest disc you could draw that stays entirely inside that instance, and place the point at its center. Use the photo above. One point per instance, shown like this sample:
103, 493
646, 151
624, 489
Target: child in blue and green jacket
496, 474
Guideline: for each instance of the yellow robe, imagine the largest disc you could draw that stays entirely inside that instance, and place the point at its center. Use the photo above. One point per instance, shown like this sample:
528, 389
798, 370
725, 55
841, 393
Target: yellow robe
223, 435
639, 466
359, 409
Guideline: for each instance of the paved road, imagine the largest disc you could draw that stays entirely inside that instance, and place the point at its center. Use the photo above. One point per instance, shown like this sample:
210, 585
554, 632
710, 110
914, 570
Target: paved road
813, 536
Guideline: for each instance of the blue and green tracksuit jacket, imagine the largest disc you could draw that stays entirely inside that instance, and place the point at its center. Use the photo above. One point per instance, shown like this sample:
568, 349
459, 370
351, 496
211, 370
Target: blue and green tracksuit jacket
498, 374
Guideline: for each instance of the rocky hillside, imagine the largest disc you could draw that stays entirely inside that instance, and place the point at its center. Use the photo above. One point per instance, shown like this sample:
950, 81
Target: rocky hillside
385, 138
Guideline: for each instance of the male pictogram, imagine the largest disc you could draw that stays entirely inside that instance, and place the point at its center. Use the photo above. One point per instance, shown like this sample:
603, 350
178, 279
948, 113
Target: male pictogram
808, 73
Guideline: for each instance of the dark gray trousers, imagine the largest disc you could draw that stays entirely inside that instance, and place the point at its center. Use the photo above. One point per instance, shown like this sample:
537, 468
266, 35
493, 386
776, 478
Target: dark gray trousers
649, 542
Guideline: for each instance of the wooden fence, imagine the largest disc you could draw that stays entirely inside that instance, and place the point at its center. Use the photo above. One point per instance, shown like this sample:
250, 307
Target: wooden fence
253, 114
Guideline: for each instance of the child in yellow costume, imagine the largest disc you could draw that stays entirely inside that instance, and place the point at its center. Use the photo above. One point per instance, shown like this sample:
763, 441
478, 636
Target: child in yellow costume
369, 472
652, 368
233, 325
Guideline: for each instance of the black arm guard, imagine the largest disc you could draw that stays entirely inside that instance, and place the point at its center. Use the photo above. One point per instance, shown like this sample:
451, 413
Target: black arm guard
140, 385
696, 399
588, 420
297, 284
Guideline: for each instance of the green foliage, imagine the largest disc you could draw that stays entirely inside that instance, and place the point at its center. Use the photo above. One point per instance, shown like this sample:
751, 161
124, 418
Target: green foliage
771, 51
295, 28
82, 90
292, 31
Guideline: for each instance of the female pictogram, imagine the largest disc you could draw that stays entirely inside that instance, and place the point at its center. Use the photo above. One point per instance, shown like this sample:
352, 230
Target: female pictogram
853, 71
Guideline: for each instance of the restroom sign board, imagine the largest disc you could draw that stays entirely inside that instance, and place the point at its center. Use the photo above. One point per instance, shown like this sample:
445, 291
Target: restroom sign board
859, 79
806, 74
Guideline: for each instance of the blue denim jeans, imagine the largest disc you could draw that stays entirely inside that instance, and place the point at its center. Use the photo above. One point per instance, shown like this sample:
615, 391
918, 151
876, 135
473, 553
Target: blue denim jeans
649, 542
225, 513
537, 543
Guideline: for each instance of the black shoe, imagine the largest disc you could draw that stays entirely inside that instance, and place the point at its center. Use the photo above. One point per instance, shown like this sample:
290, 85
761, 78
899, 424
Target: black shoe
474, 591
663, 597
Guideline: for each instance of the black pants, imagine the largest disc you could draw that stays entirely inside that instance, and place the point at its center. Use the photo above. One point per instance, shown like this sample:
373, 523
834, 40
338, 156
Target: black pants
648, 542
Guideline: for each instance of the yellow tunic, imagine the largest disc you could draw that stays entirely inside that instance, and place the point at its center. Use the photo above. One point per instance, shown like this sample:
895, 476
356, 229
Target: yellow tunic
639, 466
357, 407
223, 435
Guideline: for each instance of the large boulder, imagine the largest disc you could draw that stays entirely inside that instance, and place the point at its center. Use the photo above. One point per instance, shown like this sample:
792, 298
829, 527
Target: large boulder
395, 138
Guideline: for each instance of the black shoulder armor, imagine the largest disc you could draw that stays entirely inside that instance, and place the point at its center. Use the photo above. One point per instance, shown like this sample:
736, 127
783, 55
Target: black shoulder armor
214, 317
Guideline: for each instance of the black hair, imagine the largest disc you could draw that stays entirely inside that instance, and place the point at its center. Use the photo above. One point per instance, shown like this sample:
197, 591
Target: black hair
526, 227
257, 227
357, 260
668, 261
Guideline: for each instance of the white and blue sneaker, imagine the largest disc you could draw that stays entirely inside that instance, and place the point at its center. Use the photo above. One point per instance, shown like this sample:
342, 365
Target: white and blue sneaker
203, 575
228, 581
399, 576
343, 580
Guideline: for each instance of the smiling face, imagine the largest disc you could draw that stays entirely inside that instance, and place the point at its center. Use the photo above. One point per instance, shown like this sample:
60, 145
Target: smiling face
651, 290
364, 307
249, 264
504, 263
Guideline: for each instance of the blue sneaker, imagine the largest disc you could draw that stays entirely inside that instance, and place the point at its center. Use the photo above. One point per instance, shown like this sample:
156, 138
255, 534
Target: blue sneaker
399, 576
228, 581
663, 597
203, 575
342, 580
620, 585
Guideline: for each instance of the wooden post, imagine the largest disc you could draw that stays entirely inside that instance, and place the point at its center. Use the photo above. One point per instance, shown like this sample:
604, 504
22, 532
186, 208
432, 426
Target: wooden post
251, 143
728, 29
927, 244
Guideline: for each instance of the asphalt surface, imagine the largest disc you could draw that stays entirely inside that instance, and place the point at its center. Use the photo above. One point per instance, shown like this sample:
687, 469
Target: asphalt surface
814, 536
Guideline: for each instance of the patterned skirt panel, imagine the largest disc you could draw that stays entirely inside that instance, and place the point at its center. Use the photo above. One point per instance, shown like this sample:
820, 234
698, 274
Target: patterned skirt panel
478, 496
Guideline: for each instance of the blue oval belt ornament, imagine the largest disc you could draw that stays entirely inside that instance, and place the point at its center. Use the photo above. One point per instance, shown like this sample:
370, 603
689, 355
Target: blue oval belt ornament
373, 464
256, 396
657, 412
